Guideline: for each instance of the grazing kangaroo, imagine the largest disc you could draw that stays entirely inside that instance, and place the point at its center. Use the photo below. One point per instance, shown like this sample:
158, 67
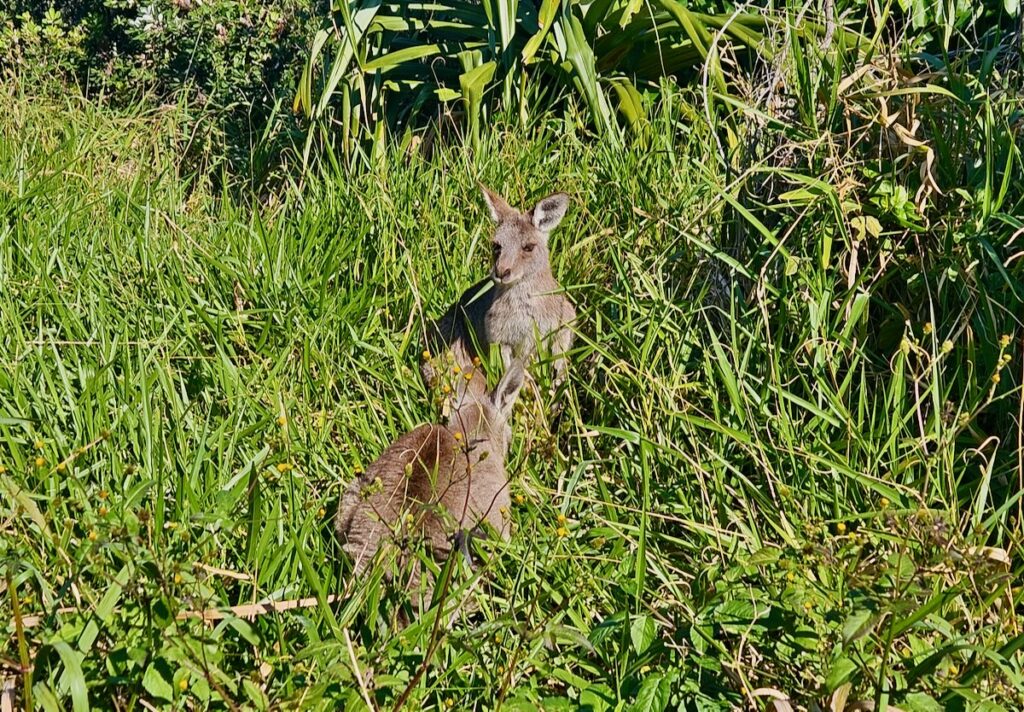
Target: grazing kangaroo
524, 304
434, 482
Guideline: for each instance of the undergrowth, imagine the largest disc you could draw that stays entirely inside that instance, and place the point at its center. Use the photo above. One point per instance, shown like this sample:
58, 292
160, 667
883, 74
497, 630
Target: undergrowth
799, 489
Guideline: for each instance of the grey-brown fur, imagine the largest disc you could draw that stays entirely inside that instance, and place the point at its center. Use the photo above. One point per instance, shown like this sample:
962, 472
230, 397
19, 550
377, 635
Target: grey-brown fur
524, 301
434, 482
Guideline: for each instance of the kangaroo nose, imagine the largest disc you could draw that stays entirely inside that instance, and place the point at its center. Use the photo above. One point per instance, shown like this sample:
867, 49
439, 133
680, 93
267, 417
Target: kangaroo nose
506, 273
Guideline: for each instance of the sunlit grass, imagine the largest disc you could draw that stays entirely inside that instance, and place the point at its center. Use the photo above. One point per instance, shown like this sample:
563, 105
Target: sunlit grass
769, 492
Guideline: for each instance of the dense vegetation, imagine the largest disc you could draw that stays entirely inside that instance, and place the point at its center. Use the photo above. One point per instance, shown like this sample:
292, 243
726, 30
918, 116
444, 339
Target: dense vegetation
789, 466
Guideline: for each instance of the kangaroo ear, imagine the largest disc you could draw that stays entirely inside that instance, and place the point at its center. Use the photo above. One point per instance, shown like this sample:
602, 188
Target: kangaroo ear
550, 211
498, 206
504, 396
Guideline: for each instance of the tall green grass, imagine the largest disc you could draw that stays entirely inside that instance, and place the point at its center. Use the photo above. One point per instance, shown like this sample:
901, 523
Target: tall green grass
795, 491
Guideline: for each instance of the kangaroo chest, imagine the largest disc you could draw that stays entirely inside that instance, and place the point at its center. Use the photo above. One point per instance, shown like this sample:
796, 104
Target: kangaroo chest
515, 316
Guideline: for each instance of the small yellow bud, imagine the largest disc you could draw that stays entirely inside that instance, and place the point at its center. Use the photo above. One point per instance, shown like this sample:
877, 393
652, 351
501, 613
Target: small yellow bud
40, 444
283, 467
92, 535
103, 510
456, 369
426, 355
40, 462
840, 527
562, 532
790, 576
61, 466
281, 420
883, 502
808, 605
3, 469
947, 346
446, 389
177, 578
1004, 341
468, 376
357, 470
457, 435
520, 499
927, 328
321, 512
561, 519
995, 379
103, 494
476, 360
183, 684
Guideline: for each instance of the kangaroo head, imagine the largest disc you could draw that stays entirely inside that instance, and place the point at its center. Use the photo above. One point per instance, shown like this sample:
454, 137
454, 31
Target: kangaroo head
487, 417
520, 243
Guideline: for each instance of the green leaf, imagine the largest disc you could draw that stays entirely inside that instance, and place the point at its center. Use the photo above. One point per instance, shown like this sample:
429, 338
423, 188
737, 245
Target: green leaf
1012, 7
157, 680
546, 16
642, 632
25, 502
841, 671
653, 695
857, 625
73, 679
920, 702
764, 556
391, 60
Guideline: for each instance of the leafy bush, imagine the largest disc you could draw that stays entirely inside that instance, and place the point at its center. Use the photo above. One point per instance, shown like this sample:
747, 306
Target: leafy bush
236, 60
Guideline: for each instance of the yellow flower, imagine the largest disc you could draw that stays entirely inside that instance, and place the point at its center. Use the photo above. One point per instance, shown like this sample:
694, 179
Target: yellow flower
1004, 340
562, 531
40, 444
995, 379
40, 462
3, 469
281, 420
520, 499
183, 684
883, 502
841, 527
61, 466
357, 470
103, 510
927, 328
457, 435
177, 578
947, 346
808, 605
283, 467
446, 388
321, 512
92, 535
426, 355
561, 519
456, 369
103, 494
790, 576
469, 376
476, 360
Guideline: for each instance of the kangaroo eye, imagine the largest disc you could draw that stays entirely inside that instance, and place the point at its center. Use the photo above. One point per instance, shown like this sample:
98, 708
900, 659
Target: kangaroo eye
529, 248
496, 247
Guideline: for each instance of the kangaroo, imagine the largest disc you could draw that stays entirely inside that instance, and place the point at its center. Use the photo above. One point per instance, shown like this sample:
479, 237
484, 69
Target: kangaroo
522, 306
433, 482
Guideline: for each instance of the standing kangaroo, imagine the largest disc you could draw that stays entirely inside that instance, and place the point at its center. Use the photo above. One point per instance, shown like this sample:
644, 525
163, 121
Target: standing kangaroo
434, 482
524, 306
